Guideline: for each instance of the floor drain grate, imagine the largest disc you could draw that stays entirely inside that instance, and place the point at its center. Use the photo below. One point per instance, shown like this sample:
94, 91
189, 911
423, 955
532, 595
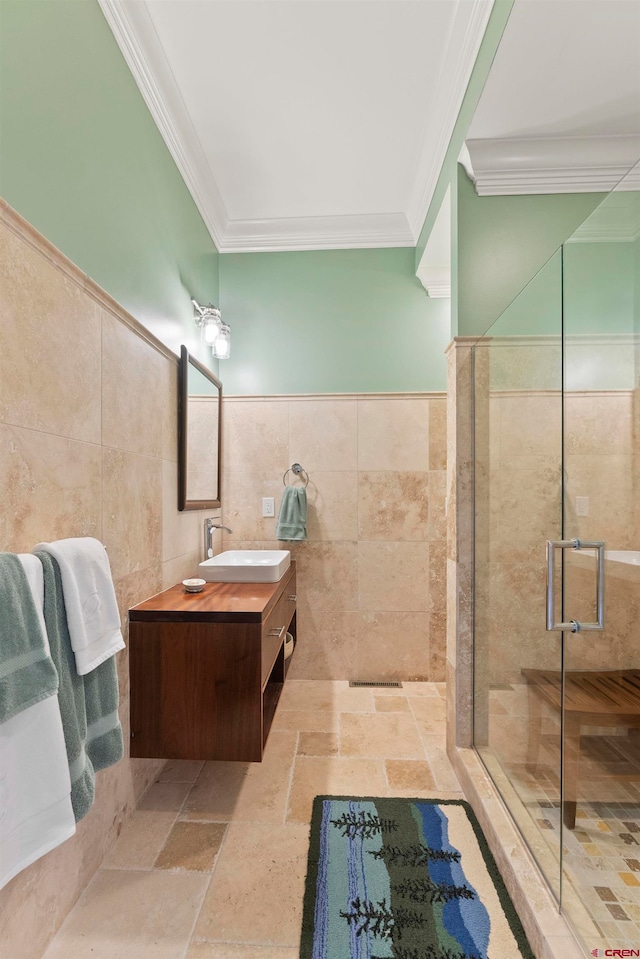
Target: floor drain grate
364, 682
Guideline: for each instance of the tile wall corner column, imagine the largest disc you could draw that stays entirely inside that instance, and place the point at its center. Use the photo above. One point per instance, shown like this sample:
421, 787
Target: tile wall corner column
460, 530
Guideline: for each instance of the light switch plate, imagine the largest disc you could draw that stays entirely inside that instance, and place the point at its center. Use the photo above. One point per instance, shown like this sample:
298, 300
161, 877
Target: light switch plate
268, 506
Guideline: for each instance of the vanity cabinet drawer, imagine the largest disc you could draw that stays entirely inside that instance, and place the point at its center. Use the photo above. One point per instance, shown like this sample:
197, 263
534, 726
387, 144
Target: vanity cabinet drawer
276, 625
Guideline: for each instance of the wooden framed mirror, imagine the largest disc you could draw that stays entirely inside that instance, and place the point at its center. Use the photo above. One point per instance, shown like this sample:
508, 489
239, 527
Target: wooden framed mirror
199, 434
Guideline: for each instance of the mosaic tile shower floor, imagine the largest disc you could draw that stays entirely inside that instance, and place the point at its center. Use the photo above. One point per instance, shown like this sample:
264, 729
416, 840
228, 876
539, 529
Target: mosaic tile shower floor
601, 856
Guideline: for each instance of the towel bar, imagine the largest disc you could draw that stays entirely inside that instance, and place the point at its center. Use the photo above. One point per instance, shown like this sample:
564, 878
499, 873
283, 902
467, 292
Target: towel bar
298, 470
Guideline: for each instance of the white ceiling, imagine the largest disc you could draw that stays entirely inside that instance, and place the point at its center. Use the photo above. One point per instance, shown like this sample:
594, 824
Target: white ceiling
567, 68
320, 124
309, 124
560, 111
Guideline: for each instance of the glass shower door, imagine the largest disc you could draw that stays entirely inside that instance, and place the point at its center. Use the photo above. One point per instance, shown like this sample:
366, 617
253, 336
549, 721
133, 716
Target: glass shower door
556, 419
600, 891
518, 506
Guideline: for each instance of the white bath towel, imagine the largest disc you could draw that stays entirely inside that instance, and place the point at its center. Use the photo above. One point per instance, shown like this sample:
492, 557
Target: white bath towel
35, 787
36, 814
89, 598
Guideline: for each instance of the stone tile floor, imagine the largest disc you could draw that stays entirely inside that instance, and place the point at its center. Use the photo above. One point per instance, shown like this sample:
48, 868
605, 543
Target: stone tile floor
212, 864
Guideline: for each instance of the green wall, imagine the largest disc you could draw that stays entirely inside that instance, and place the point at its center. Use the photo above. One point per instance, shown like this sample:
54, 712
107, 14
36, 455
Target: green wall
82, 160
599, 287
331, 321
589, 290
537, 310
503, 241
591, 284
598, 306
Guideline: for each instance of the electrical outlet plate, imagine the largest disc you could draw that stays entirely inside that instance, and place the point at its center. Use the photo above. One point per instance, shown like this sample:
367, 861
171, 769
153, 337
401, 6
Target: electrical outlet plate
268, 506
582, 505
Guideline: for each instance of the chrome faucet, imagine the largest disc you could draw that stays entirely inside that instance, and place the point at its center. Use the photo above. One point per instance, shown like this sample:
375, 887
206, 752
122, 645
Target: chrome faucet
209, 527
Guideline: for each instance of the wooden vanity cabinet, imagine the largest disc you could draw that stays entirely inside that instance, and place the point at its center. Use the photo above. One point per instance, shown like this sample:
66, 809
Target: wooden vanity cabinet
207, 669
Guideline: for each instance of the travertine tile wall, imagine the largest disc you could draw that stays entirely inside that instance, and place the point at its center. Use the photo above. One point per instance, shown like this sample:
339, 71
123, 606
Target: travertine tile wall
470, 458
635, 418
602, 463
371, 575
518, 444
524, 510
88, 446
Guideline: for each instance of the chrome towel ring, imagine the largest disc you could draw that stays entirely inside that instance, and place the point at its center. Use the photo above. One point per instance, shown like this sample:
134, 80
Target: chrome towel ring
298, 471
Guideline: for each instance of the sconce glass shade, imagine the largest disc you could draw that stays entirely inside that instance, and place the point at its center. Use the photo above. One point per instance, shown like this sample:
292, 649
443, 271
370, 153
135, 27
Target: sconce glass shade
221, 348
214, 332
211, 327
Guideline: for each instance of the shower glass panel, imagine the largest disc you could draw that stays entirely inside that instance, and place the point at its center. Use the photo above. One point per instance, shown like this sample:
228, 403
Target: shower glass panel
518, 506
601, 833
557, 458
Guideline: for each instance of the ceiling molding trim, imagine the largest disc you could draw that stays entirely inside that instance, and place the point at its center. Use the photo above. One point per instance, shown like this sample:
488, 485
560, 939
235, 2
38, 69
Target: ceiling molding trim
530, 166
437, 291
604, 235
434, 269
140, 46
138, 41
317, 233
616, 220
463, 43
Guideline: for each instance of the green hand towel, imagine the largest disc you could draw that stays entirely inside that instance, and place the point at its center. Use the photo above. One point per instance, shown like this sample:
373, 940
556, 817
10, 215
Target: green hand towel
27, 674
104, 732
292, 520
88, 704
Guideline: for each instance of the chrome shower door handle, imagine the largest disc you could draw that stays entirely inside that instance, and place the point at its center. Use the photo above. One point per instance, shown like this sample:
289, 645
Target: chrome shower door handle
577, 544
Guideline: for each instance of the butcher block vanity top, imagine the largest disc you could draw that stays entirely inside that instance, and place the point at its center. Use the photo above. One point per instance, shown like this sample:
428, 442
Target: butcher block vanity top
217, 603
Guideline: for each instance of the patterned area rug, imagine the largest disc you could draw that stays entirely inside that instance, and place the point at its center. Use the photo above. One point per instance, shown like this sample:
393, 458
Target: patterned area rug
404, 879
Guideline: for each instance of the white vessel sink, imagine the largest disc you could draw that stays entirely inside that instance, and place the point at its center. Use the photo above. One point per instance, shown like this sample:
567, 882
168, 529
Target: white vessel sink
246, 566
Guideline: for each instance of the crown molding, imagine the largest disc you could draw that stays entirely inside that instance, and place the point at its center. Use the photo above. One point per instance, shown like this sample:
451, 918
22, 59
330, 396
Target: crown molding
434, 269
140, 46
463, 43
438, 291
317, 233
134, 32
616, 220
603, 234
529, 165
139, 43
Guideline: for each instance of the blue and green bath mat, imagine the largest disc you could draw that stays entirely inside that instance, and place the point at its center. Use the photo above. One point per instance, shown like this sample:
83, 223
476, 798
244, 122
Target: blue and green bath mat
404, 879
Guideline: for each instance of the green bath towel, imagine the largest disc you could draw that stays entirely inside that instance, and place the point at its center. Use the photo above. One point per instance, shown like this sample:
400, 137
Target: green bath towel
292, 520
88, 704
27, 675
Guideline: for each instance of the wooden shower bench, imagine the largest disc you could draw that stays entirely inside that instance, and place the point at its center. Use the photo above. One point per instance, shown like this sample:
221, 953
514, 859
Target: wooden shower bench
592, 698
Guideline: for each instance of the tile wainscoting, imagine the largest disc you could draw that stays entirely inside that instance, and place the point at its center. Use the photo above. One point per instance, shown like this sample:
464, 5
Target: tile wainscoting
88, 447
371, 575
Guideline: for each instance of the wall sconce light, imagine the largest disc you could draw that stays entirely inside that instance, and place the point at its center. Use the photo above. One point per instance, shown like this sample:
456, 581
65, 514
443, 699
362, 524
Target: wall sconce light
215, 332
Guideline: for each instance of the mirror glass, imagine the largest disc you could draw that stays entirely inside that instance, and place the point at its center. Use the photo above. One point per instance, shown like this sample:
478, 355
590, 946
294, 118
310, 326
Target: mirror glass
199, 420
